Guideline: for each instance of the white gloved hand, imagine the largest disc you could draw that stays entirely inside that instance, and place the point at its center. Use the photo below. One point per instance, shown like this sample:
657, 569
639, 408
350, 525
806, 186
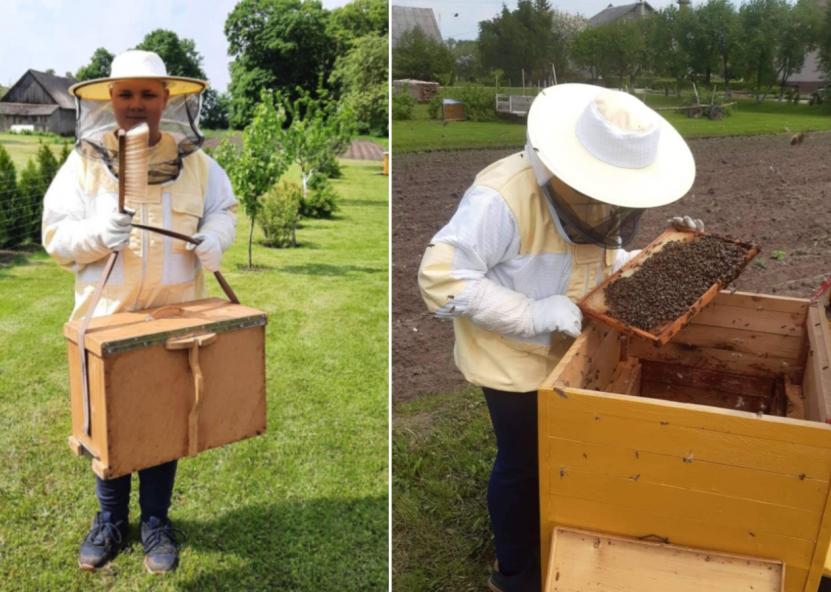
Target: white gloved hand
209, 250
556, 313
687, 223
114, 229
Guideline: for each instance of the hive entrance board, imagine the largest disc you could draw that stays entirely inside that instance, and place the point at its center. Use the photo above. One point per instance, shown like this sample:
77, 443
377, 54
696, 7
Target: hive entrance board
665, 269
581, 560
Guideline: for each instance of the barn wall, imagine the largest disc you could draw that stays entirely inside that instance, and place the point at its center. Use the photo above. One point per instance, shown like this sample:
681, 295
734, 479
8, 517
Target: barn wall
40, 122
28, 91
63, 122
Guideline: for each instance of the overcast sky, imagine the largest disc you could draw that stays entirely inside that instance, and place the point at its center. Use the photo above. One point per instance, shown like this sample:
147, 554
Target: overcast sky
63, 34
470, 12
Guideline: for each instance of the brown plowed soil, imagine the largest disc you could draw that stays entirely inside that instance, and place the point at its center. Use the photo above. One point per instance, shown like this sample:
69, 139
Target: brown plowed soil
757, 189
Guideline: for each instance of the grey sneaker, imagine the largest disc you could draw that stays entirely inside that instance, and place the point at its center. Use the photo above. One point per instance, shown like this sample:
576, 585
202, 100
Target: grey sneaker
103, 542
161, 550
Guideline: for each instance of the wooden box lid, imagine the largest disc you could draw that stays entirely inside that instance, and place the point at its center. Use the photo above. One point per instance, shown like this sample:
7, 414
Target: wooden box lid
594, 303
582, 560
126, 331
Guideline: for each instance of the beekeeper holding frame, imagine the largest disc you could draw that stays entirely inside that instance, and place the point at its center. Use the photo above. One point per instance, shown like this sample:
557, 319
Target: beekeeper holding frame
535, 233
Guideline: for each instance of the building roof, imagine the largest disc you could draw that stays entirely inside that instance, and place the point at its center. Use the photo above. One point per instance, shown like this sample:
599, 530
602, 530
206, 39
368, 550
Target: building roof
30, 109
613, 13
405, 18
57, 87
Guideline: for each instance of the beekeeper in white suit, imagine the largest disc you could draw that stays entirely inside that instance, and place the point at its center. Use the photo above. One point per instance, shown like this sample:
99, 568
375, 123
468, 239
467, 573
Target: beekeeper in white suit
187, 192
534, 233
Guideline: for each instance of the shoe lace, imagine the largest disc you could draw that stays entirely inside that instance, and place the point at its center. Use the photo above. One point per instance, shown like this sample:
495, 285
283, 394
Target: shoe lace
163, 536
105, 532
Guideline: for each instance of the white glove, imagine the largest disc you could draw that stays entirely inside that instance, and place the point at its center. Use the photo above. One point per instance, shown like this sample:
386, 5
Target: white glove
687, 223
114, 229
209, 250
556, 313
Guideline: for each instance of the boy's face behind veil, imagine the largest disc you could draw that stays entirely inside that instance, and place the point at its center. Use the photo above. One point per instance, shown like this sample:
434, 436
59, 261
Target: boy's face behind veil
138, 101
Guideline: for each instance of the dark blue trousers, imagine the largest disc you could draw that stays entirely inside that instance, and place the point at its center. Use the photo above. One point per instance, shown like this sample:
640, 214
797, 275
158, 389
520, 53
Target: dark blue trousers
513, 489
155, 491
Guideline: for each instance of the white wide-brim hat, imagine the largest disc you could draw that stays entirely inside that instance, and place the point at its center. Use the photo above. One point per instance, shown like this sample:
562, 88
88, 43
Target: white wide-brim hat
133, 64
609, 146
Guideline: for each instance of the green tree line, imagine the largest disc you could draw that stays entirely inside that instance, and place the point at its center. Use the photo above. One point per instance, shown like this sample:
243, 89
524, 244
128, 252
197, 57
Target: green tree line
759, 42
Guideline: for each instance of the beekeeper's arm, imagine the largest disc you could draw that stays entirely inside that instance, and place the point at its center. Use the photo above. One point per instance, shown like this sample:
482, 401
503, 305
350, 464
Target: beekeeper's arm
217, 228
72, 233
481, 234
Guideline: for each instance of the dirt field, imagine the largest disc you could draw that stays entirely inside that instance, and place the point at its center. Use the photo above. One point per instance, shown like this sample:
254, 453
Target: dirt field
758, 189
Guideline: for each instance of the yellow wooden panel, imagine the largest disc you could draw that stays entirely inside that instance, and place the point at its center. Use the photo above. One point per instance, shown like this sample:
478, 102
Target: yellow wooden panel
581, 560
620, 460
826, 569
704, 534
682, 442
710, 419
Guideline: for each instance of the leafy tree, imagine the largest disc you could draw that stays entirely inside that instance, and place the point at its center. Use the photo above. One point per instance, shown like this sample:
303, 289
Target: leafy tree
587, 51
362, 77
466, 63
98, 67
215, 107
760, 22
47, 168
422, 58
31, 188
626, 51
520, 40
179, 55
719, 36
797, 35
358, 19
278, 45
260, 163
564, 28
668, 36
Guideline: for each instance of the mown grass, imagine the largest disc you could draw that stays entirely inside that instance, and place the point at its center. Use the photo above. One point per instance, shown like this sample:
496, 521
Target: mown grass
443, 449
22, 147
747, 118
301, 508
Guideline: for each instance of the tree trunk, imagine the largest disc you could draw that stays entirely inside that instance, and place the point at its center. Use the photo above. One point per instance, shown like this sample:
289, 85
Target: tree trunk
250, 242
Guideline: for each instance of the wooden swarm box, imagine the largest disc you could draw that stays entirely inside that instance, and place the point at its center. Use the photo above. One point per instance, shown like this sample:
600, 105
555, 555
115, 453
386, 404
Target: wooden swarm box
167, 383
717, 440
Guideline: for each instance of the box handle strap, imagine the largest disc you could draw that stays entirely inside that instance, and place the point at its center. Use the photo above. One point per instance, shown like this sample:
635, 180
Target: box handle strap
192, 343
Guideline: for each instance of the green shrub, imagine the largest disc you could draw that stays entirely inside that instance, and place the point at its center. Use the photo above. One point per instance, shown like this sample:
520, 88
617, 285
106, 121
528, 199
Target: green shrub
480, 102
280, 213
402, 107
320, 202
434, 107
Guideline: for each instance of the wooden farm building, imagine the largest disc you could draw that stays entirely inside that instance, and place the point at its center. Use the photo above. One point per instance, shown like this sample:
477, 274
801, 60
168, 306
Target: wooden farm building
624, 12
40, 100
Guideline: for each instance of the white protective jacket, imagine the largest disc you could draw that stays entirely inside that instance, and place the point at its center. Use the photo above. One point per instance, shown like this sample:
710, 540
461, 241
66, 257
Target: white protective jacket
502, 250
153, 270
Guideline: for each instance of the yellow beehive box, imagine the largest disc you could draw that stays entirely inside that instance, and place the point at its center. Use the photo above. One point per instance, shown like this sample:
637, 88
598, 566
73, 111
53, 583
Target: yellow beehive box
717, 440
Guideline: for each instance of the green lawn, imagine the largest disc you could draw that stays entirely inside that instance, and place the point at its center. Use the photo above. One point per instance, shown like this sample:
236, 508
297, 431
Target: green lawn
301, 508
23, 147
443, 449
747, 118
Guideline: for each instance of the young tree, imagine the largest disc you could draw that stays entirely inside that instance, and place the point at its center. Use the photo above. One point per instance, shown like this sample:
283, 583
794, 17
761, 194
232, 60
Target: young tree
320, 130
215, 106
36, 186
667, 35
760, 23
98, 67
720, 34
260, 163
797, 35
31, 190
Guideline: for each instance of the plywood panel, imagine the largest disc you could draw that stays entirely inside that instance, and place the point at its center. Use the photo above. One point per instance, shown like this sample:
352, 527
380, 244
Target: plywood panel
622, 461
581, 560
739, 340
763, 302
591, 360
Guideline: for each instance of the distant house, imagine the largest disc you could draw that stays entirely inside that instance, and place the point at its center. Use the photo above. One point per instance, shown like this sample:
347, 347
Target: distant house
625, 12
41, 100
405, 18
